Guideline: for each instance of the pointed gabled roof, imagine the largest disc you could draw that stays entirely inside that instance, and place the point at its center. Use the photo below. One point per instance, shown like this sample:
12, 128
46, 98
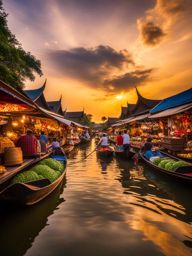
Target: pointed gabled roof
130, 109
123, 112
143, 105
34, 94
179, 99
56, 106
77, 114
37, 96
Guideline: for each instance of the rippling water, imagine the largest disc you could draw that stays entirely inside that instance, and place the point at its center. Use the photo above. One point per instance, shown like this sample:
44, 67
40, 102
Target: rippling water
103, 208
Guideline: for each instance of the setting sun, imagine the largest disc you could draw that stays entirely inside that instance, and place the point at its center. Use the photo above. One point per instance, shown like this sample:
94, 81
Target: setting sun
119, 97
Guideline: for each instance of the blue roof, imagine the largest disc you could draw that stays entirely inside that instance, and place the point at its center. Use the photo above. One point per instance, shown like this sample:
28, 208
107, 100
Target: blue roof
35, 93
174, 101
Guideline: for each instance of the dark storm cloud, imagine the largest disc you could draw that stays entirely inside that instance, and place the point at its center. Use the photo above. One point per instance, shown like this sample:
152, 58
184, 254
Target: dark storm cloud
151, 34
90, 64
130, 79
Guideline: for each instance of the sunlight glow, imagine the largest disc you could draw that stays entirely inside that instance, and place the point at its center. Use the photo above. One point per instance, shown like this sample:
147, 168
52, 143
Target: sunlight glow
119, 97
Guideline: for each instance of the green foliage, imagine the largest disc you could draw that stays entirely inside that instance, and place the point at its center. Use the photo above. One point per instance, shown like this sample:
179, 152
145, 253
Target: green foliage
16, 65
26, 176
53, 164
46, 172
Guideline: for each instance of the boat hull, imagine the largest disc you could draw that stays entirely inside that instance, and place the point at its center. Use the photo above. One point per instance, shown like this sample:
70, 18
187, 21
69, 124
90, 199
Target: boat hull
105, 153
32, 192
185, 177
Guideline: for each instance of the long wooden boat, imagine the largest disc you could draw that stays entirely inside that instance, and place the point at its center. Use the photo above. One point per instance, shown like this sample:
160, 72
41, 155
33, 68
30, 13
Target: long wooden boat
105, 152
182, 174
32, 192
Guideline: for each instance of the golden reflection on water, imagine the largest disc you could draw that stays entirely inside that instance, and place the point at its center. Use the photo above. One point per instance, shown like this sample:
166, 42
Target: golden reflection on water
110, 207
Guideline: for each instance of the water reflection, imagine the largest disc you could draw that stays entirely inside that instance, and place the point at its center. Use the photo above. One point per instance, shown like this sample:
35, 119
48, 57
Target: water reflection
20, 225
110, 208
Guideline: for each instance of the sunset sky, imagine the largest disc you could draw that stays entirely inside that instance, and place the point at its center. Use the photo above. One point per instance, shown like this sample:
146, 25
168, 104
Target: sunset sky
95, 52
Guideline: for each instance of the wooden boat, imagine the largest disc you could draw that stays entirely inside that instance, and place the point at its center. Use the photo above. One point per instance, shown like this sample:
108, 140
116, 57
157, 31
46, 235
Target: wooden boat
182, 174
84, 140
123, 154
105, 152
32, 192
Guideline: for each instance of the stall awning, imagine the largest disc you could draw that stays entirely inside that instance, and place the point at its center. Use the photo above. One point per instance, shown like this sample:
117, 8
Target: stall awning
172, 111
55, 116
138, 118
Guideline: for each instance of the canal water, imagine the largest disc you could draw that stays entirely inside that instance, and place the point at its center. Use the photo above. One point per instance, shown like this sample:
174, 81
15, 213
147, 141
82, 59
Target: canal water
103, 208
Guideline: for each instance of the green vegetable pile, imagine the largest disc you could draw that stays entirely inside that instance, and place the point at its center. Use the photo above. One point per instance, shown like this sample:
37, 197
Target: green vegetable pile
169, 164
26, 176
47, 169
53, 164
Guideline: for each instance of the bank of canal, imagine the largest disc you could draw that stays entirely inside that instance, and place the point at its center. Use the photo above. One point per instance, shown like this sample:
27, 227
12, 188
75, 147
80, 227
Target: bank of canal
104, 208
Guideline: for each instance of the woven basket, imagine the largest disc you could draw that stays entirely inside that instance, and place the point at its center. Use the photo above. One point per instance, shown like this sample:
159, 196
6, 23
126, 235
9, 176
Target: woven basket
13, 156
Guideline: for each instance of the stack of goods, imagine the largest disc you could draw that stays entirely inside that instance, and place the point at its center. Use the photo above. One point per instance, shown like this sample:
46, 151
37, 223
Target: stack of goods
167, 163
46, 169
187, 154
136, 142
173, 143
5, 142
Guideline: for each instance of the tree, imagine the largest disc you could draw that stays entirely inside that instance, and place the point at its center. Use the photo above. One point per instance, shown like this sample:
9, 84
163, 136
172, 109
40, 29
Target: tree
103, 118
16, 65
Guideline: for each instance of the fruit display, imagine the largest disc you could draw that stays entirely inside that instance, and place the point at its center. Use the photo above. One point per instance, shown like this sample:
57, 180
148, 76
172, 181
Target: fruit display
5, 143
41, 171
2, 169
187, 155
168, 164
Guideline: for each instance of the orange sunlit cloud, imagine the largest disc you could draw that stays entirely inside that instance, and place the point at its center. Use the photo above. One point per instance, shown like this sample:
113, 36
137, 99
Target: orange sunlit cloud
94, 53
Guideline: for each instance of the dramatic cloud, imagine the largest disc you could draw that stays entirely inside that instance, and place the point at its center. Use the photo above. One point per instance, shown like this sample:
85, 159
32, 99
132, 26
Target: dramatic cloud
91, 65
130, 79
151, 34
159, 20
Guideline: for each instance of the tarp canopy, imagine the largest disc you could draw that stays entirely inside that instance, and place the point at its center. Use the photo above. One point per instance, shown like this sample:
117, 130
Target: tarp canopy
138, 118
55, 116
172, 111
174, 101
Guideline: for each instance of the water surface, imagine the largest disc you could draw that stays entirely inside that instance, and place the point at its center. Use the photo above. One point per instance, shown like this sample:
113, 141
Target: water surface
103, 208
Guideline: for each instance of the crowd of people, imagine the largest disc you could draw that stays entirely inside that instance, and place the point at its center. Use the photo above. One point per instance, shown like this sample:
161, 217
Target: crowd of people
33, 146
122, 143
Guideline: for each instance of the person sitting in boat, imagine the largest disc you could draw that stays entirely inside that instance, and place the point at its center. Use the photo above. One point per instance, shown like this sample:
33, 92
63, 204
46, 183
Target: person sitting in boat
55, 144
119, 141
28, 144
104, 142
147, 149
